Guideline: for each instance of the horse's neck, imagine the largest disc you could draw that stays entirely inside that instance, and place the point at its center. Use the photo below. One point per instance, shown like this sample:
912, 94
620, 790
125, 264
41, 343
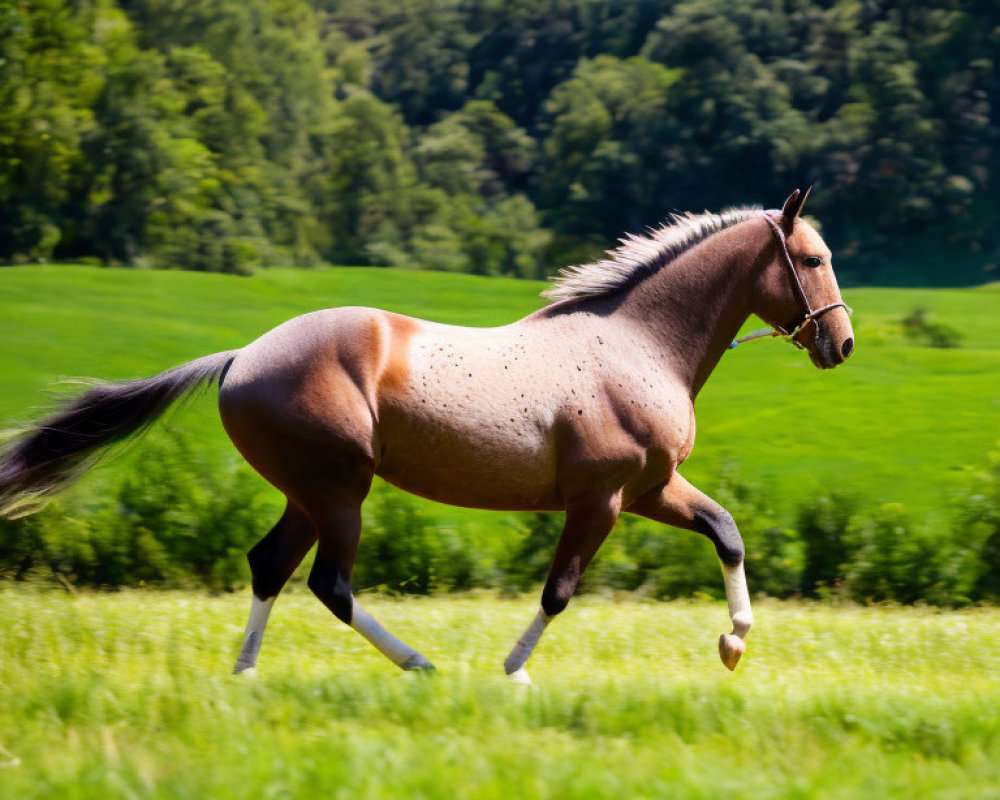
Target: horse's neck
695, 306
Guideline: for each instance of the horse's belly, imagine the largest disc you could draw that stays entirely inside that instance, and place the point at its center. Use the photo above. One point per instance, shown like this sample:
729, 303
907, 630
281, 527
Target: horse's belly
496, 464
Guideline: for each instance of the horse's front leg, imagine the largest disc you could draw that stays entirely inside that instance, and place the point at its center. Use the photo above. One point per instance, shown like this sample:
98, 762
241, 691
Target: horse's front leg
678, 503
589, 520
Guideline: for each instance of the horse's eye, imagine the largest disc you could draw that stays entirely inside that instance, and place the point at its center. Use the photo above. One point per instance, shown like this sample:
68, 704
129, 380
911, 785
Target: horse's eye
812, 261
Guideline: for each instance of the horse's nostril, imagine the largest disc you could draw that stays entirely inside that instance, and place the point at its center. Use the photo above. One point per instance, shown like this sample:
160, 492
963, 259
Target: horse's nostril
847, 347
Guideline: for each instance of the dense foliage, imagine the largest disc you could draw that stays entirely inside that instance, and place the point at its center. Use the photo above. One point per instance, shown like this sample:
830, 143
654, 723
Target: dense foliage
489, 137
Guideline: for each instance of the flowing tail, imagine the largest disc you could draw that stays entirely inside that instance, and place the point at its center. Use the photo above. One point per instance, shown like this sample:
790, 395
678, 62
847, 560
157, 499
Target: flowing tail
50, 453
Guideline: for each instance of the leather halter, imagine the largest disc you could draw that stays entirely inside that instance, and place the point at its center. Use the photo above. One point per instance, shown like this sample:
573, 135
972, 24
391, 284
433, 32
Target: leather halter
809, 315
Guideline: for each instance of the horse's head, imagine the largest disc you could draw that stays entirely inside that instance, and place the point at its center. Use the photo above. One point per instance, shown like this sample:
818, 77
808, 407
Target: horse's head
797, 292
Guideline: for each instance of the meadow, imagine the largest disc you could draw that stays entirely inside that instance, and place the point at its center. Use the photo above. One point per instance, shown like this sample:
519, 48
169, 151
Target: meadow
128, 695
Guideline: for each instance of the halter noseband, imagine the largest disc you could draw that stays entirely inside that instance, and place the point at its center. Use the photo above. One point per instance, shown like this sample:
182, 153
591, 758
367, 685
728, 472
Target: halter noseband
809, 315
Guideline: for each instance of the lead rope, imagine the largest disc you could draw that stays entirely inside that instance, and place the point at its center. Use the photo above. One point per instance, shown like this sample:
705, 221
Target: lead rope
810, 315
763, 333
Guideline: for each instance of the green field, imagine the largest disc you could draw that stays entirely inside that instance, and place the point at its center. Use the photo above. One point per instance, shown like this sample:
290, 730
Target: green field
128, 695
897, 423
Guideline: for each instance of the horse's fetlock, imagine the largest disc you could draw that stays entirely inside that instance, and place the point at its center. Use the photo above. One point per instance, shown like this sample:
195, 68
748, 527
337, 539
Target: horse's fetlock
742, 622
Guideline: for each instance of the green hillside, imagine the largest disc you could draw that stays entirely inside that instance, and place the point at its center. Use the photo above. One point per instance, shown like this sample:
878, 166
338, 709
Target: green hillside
899, 422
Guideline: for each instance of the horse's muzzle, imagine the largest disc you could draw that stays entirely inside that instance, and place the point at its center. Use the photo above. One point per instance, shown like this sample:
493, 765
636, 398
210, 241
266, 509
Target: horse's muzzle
827, 352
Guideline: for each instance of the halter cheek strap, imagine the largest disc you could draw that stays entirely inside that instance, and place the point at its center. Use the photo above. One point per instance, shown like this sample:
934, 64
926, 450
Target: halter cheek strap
809, 315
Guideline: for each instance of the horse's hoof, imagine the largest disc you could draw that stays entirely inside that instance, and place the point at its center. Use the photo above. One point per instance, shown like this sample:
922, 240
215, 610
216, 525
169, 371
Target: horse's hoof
731, 647
520, 677
245, 672
417, 663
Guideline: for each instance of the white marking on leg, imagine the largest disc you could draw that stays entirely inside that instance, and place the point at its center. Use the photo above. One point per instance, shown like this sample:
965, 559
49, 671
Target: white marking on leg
520, 677
260, 610
738, 599
731, 645
397, 651
513, 665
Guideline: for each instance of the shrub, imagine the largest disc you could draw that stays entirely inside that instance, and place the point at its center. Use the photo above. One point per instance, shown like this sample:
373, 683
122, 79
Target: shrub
174, 520
775, 552
918, 329
402, 550
397, 549
895, 560
822, 526
978, 525
528, 563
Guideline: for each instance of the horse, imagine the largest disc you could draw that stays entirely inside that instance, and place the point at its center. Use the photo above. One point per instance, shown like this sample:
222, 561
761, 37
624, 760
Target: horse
585, 406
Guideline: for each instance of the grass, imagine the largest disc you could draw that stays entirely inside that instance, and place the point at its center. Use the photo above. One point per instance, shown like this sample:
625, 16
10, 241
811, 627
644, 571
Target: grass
898, 423
128, 695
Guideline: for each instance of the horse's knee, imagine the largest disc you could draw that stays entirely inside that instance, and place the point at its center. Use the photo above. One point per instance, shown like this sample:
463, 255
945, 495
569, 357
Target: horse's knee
332, 586
718, 525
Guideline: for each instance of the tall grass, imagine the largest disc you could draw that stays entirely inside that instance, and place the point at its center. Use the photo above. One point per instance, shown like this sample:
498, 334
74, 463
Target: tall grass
128, 695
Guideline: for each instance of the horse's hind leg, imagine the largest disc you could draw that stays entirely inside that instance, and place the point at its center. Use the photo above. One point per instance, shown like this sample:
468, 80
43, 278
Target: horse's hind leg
678, 503
272, 561
338, 522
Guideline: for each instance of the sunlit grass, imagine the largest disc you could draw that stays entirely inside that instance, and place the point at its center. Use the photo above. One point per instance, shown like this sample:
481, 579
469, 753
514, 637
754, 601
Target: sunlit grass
129, 695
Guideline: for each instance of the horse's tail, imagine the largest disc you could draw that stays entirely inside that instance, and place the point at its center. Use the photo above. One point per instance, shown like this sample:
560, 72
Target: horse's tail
50, 453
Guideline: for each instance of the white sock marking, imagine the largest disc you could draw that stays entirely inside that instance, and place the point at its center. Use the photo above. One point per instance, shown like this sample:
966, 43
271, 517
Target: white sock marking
397, 651
738, 599
521, 651
520, 677
260, 610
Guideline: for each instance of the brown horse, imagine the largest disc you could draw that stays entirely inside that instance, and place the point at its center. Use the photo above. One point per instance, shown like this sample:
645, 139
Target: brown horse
585, 406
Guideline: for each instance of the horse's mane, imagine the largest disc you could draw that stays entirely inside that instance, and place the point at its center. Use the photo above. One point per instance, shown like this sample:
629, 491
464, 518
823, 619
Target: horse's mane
637, 257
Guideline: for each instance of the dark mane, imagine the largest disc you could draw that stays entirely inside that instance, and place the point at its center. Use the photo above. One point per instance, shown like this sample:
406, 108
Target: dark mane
639, 256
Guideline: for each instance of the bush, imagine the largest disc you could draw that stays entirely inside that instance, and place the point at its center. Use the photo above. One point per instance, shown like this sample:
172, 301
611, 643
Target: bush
528, 562
176, 520
402, 550
918, 329
775, 552
823, 526
656, 561
978, 525
397, 549
173, 521
894, 560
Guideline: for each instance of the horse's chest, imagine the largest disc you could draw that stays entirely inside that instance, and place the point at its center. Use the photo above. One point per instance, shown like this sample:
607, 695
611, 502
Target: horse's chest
654, 411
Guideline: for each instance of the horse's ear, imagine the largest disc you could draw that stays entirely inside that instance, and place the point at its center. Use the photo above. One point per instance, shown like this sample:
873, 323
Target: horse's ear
793, 207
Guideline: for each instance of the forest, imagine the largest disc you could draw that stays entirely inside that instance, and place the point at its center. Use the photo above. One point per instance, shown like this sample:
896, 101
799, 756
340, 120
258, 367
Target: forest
496, 138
